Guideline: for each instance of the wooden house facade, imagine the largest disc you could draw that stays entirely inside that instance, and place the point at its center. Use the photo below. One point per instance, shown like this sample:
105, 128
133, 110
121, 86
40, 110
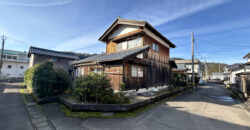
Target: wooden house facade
136, 55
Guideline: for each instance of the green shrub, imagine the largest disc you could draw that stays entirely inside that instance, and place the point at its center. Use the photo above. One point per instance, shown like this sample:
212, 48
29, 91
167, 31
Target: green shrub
44, 81
63, 80
96, 88
178, 80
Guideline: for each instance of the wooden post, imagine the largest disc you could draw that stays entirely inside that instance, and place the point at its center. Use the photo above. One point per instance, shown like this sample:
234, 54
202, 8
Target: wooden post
1, 60
192, 42
244, 85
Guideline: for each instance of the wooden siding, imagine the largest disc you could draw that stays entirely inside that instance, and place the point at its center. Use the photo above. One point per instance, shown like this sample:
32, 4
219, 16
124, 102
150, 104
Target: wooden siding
161, 56
111, 46
134, 82
59, 63
115, 74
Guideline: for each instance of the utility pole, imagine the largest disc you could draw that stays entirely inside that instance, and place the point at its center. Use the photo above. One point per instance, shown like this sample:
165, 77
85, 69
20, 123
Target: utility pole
1, 59
192, 42
219, 67
205, 68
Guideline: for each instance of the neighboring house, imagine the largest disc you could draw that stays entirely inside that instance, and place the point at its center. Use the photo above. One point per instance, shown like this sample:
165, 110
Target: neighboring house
187, 65
247, 56
59, 59
180, 68
241, 76
219, 76
15, 63
136, 55
239, 68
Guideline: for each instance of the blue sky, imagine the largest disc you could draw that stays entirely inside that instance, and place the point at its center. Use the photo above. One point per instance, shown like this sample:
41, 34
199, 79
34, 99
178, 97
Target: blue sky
221, 27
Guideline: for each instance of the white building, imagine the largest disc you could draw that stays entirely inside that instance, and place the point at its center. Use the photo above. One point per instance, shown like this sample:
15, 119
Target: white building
239, 69
15, 63
219, 76
188, 65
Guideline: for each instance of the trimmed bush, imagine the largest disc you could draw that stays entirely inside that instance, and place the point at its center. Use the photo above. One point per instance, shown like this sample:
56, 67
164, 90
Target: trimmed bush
96, 88
178, 80
44, 81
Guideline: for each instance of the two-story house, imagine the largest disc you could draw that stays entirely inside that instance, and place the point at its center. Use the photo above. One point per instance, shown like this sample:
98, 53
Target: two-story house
136, 55
15, 63
188, 65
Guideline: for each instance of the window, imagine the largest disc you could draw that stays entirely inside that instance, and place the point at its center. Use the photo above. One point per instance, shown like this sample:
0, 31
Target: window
98, 70
129, 44
156, 47
4, 56
14, 57
135, 43
9, 66
136, 71
122, 46
21, 67
82, 71
8, 57
53, 59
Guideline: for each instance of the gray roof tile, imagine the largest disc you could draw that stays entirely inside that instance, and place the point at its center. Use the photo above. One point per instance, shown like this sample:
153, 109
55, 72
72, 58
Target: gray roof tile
113, 56
41, 51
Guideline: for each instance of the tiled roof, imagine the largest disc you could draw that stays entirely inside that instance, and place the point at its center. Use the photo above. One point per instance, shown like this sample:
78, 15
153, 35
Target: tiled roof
113, 56
246, 56
41, 51
120, 21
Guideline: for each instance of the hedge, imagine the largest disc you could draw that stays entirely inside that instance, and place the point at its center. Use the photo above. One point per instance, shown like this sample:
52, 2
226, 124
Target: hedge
45, 81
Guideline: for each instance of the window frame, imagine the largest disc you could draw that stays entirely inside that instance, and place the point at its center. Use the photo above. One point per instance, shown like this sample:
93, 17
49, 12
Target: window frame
156, 47
9, 66
21, 67
137, 70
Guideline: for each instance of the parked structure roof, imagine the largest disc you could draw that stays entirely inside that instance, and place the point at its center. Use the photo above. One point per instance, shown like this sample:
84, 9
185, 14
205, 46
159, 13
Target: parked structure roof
113, 56
41, 51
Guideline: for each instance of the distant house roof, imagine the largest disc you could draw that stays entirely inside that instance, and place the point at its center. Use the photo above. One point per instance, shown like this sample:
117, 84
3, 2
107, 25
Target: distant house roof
186, 61
41, 51
138, 23
172, 64
113, 56
12, 52
246, 56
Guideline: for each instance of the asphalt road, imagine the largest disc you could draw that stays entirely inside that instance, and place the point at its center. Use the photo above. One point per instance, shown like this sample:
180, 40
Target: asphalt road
13, 115
207, 108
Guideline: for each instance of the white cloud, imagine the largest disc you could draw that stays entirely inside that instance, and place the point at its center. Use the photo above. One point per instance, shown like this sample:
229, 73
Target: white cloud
43, 3
164, 11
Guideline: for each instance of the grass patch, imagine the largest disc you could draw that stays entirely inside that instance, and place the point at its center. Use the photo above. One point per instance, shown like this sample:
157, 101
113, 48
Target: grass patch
132, 113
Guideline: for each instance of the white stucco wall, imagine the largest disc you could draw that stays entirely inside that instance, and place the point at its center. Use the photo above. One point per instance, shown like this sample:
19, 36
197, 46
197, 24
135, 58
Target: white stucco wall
233, 74
122, 30
15, 70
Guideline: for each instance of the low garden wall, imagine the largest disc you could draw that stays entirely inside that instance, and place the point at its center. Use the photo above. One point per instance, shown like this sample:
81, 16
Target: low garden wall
115, 107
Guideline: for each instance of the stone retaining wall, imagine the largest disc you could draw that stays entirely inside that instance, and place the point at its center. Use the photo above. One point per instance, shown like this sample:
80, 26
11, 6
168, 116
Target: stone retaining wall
114, 107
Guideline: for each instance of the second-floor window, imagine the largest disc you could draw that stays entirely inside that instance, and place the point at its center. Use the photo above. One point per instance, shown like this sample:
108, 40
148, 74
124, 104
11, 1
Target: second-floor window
155, 47
129, 44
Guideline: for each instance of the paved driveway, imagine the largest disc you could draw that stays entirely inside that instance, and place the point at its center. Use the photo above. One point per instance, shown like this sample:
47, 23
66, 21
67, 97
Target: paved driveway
207, 108
13, 115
